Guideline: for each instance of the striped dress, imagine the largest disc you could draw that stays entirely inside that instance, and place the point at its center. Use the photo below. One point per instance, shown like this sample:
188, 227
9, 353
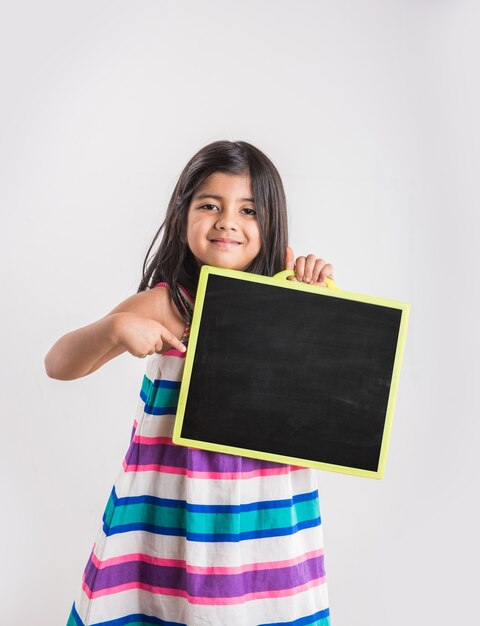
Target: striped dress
199, 538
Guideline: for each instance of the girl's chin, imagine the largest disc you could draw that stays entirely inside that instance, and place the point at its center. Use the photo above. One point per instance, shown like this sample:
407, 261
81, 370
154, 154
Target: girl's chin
224, 265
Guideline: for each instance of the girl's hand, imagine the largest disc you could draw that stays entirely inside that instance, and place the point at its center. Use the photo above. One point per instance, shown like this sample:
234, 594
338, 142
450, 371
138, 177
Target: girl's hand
308, 269
142, 336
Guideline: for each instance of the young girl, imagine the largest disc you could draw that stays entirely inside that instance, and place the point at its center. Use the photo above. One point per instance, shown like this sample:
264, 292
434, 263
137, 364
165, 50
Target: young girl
189, 536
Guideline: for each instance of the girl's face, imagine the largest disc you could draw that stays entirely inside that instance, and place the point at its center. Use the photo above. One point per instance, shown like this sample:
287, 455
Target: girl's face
222, 226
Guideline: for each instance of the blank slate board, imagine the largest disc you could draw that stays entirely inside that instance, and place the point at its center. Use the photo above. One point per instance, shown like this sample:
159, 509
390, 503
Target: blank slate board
288, 372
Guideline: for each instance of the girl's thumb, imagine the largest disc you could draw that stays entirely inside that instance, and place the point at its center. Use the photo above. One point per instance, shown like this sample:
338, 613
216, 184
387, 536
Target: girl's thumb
289, 259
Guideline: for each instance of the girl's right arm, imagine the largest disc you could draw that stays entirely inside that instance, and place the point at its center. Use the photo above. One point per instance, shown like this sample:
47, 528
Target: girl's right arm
144, 323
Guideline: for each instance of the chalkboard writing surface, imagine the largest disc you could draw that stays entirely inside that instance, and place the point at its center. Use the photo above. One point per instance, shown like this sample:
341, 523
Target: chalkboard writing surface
289, 372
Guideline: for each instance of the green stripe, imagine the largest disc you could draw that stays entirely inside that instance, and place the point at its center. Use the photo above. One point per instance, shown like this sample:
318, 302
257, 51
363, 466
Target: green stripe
324, 621
109, 510
215, 523
309, 620
72, 621
159, 397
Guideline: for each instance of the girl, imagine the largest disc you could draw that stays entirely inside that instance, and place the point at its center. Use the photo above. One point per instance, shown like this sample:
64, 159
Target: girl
189, 536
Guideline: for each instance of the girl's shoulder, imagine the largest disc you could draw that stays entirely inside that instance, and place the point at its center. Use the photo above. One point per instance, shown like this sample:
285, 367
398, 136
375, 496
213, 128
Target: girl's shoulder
157, 304
173, 320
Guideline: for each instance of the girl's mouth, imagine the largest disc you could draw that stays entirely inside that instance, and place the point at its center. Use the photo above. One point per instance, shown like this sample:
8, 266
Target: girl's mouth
224, 243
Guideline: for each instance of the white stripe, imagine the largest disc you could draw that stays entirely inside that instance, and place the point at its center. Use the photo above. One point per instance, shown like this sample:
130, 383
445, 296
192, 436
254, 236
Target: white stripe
154, 425
218, 491
219, 554
167, 367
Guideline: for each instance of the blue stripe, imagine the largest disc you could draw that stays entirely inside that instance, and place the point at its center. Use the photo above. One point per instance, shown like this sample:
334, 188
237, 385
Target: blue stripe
160, 383
303, 621
168, 384
157, 410
217, 508
216, 537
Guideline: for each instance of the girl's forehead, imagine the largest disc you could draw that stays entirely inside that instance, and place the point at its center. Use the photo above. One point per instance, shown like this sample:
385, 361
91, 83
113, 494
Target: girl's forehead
219, 183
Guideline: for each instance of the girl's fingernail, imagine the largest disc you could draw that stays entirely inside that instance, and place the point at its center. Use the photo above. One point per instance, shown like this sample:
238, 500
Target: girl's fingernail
307, 280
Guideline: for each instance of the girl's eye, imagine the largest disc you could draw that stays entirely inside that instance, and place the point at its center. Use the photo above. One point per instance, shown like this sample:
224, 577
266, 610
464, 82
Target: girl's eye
208, 206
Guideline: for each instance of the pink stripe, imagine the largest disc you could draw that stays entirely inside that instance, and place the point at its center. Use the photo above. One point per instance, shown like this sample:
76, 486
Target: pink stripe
272, 471
174, 352
197, 569
182, 289
151, 440
281, 593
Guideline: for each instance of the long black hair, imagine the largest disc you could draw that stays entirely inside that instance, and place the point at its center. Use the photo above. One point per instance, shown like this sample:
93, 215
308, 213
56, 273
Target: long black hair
173, 262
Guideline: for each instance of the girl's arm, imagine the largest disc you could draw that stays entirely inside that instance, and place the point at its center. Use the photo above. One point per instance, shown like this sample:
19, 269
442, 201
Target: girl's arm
141, 325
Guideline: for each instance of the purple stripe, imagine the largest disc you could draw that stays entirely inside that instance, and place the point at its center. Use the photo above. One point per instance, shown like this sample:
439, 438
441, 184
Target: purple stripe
192, 459
204, 585
90, 572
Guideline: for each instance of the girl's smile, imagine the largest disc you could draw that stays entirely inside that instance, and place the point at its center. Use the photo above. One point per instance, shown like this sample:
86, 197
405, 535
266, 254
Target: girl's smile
225, 243
222, 226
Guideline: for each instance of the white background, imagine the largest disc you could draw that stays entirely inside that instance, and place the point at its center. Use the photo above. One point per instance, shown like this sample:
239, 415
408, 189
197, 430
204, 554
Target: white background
370, 112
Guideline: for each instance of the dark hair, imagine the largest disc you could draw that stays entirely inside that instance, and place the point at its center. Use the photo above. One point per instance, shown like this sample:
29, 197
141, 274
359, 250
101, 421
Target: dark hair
173, 261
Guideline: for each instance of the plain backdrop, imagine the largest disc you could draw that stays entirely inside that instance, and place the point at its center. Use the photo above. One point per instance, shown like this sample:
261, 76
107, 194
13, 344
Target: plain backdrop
370, 112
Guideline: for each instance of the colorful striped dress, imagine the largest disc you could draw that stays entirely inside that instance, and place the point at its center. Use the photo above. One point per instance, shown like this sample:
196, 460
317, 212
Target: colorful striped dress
199, 538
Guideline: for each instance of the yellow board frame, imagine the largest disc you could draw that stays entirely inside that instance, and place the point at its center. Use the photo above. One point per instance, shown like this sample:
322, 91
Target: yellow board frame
279, 280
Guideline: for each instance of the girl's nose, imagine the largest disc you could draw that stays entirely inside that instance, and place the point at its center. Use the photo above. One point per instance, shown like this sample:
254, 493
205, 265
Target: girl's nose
227, 221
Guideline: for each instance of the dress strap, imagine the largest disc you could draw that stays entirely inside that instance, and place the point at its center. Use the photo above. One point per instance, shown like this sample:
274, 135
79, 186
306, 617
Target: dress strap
186, 302
185, 298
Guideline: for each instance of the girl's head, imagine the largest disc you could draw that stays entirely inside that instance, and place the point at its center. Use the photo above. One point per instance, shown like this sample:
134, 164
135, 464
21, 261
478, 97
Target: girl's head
222, 223
249, 207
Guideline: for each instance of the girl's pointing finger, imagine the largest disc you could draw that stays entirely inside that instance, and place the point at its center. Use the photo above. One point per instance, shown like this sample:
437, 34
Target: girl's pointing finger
289, 259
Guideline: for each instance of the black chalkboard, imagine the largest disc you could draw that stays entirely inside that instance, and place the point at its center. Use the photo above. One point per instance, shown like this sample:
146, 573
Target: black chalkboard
287, 373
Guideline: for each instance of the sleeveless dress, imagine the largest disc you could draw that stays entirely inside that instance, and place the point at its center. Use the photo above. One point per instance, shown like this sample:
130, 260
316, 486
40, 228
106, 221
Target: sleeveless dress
198, 538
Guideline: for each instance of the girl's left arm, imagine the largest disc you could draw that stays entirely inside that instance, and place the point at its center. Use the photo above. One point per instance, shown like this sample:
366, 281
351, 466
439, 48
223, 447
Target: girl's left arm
309, 269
